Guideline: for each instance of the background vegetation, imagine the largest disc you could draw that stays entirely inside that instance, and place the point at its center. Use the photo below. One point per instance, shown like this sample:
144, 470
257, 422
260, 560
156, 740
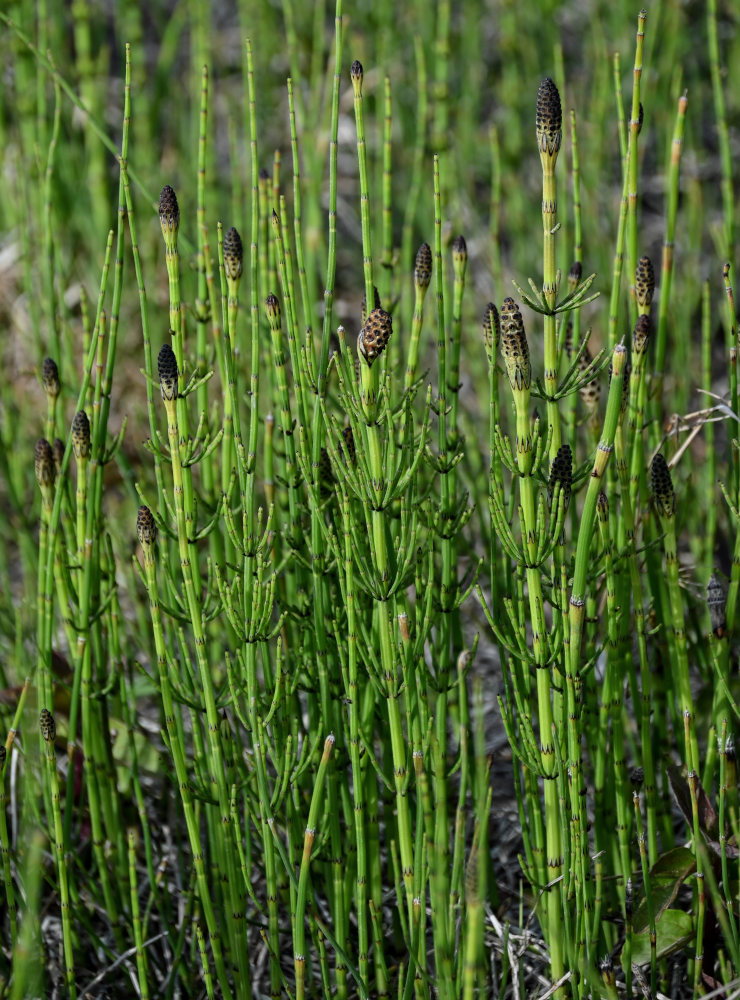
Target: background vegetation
259, 600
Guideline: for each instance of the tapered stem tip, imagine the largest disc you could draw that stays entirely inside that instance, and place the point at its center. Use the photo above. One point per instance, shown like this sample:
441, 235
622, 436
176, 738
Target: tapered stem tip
363, 305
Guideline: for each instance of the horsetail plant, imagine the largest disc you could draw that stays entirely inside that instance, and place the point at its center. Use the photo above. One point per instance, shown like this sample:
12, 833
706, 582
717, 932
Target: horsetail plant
169, 377
515, 351
169, 221
633, 582
146, 528
233, 266
308, 536
49, 735
664, 500
610, 719
549, 125
52, 388
631, 176
638, 394
422, 278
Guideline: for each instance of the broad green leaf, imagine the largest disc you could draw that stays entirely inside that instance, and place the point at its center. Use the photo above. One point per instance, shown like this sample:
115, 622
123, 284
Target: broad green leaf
667, 876
673, 930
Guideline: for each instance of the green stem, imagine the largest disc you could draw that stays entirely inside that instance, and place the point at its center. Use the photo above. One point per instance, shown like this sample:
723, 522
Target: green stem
48, 731
308, 839
634, 129
178, 757
666, 280
215, 760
